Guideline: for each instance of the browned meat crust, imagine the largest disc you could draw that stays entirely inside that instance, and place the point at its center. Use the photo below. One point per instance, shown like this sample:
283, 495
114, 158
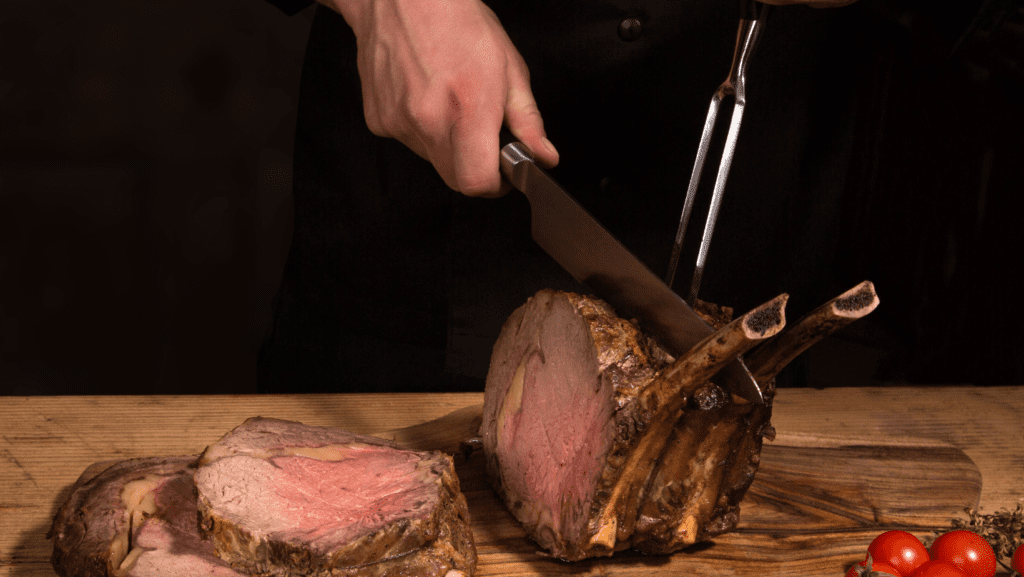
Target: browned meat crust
595, 447
134, 518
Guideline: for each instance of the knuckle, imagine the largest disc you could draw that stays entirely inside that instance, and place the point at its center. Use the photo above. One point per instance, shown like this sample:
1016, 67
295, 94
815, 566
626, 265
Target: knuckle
477, 184
425, 114
392, 125
517, 65
376, 126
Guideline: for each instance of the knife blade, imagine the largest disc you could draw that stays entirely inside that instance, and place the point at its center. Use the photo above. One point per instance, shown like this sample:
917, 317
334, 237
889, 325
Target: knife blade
584, 248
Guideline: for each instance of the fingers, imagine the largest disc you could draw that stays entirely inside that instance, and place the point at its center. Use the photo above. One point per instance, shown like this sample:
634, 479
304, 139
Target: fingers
475, 137
467, 156
475, 153
445, 96
525, 122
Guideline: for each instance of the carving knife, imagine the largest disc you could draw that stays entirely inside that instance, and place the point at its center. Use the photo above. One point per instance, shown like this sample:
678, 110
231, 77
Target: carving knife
584, 248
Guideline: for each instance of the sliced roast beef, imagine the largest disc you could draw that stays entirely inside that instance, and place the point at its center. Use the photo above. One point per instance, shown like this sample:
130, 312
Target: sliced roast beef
283, 498
598, 440
136, 518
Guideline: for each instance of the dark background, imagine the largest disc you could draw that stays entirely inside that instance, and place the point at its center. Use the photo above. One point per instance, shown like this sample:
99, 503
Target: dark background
145, 192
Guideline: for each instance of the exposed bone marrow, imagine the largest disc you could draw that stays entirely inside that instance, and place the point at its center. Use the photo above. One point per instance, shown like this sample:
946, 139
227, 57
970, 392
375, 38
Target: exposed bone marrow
768, 359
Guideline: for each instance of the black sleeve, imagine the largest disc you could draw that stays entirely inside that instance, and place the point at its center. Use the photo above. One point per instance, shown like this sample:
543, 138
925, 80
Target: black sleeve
291, 7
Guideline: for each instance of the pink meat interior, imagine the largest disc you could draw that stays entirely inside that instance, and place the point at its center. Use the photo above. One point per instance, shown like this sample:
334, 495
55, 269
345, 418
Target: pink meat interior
554, 446
171, 539
322, 504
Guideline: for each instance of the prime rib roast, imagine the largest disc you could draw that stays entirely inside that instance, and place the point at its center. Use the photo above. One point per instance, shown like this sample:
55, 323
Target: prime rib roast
597, 439
282, 498
136, 518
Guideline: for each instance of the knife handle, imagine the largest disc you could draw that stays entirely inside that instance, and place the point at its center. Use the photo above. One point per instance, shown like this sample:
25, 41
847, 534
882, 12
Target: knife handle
513, 160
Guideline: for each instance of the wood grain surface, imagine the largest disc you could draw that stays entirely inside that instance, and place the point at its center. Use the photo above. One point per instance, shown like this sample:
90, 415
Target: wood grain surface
812, 510
839, 472
816, 503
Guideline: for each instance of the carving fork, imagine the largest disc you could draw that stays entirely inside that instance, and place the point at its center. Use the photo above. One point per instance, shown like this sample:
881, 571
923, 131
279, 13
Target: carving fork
752, 18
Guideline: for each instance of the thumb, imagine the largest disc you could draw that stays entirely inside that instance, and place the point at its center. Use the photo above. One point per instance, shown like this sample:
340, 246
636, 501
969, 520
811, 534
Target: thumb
524, 121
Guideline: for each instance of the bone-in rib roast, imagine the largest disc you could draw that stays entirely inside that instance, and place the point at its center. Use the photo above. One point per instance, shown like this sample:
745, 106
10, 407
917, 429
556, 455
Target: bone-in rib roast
136, 518
283, 498
598, 440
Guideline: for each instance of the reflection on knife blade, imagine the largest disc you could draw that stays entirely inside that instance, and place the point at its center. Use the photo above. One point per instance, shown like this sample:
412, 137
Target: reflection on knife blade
594, 257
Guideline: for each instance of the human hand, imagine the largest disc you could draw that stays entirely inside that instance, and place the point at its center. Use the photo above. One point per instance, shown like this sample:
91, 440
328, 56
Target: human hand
441, 76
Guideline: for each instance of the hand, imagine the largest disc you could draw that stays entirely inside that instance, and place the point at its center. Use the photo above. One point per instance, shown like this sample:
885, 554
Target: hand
441, 76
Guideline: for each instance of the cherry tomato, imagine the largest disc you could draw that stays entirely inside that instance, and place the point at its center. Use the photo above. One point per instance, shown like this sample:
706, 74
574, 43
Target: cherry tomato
900, 550
886, 568
967, 550
858, 569
1018, 560
938, 569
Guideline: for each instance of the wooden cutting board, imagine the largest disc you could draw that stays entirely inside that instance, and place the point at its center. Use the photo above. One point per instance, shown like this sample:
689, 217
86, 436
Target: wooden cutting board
815, 505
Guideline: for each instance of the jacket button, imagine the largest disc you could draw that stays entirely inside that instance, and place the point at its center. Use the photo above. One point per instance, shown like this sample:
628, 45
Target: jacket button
630, 29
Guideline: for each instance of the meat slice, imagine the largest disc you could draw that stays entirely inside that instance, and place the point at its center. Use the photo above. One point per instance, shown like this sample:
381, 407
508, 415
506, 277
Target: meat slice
282, 498
599, 440
136, 518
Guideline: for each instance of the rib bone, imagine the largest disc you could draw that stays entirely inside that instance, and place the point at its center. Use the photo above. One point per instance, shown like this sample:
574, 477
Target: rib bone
660, 407
769, 358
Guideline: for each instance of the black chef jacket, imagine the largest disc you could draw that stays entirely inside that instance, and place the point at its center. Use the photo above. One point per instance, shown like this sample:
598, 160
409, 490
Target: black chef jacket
396, 283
